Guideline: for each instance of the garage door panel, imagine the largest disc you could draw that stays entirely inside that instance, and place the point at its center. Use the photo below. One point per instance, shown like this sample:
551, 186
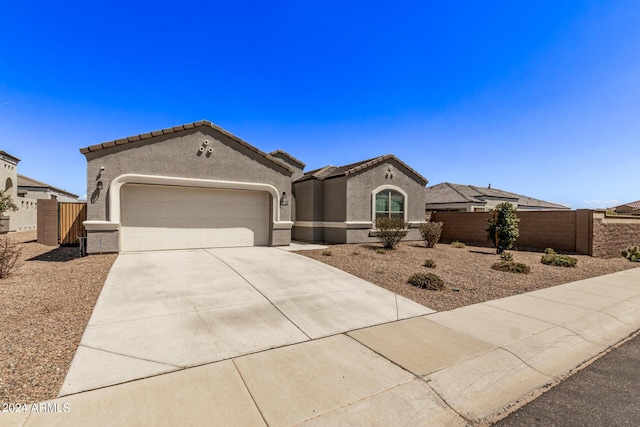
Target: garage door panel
161, 217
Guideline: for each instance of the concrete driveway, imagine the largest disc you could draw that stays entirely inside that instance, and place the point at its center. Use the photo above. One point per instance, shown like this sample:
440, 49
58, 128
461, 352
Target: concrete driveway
165, 311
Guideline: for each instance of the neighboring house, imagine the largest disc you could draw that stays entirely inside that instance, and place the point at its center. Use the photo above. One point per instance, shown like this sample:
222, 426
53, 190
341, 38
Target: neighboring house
340, 204
469, 198
197, 185
25, 193
632, 208
31, 189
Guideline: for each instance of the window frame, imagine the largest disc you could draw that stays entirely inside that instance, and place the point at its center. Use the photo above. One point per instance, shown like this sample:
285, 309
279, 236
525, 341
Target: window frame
388, 188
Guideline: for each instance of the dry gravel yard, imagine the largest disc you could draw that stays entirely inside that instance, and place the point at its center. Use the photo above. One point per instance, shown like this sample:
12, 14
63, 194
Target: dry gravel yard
46, 303
467, 269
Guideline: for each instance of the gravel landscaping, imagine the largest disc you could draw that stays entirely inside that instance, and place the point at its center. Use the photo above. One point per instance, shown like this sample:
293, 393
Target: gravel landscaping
46, 304
468, 270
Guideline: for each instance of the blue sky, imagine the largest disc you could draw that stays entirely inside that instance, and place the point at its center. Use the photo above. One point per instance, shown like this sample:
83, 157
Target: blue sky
540, 98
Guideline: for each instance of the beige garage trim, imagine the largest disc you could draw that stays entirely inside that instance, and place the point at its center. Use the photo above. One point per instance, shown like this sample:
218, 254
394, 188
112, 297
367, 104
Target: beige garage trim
158, 217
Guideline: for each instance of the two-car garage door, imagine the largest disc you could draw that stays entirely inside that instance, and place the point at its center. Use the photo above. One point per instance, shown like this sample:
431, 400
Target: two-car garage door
155, 217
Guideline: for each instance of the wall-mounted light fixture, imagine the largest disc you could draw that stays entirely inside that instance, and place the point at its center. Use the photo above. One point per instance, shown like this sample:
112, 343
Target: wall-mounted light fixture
99, 185
284, 199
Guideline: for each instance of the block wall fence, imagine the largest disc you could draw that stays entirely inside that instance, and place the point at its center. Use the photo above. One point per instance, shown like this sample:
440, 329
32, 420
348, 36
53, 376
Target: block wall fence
580, 231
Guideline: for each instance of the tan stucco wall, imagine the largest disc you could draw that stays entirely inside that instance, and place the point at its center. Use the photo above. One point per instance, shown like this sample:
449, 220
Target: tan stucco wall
177, 155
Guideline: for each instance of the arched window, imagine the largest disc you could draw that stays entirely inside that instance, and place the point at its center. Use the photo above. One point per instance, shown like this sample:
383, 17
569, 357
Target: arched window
8, 185
389, 204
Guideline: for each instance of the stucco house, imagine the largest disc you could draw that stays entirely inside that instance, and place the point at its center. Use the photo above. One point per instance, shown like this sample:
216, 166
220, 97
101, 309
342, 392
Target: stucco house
470, 198
25, 193
197, 185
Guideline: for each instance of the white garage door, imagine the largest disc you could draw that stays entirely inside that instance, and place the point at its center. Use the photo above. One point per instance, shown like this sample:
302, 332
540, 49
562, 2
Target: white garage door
155, 217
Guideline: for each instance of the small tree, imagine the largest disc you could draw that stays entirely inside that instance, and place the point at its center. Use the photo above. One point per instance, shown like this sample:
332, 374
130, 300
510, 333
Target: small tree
6, 203
390, 231
503, 227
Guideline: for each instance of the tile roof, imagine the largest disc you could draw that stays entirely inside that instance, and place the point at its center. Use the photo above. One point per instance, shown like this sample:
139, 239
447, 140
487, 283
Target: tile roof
5, 154
333, 171
25, 181
289, 156
447, 192
633, 205
201, 123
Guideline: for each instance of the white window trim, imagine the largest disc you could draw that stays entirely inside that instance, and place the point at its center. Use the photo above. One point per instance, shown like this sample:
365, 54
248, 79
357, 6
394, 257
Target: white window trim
387, 187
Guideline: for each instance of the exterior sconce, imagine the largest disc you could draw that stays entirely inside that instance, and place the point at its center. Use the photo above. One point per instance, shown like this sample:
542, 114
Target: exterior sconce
284, 200
99, 185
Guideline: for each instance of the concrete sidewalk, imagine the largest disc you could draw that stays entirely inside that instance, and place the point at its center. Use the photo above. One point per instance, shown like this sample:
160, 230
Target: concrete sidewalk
449, 368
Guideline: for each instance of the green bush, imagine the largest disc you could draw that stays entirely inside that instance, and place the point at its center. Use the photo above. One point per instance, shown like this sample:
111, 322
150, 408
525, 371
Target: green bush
381, 251
632, 254
512, 267
430, 232
390, 231
327, 252
458, 245
426, 281
559, 260
503, 227
506, 256
549, 251
429, 263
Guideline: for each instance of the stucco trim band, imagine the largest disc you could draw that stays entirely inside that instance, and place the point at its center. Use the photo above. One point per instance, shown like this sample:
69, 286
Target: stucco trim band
118, 182
101, 225
335, 224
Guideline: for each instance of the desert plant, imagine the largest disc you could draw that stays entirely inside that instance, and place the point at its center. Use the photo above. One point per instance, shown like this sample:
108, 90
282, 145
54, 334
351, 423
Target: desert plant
430, 232
458, 245
6, 203
503, 227
426, 281
512, 267
506, 256
632, 253
390, 231
558, 260
381, 251
327, 252
9, 254
429, 263
549, 251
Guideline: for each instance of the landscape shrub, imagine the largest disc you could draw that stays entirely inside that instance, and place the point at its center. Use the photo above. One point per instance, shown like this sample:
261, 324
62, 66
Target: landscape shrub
503, 227
390, 231
458, 245
430, 232
327, 252
550, 257
9, 254
632, 254
512, 267
429, 263
381, 251
506, 256
426, 281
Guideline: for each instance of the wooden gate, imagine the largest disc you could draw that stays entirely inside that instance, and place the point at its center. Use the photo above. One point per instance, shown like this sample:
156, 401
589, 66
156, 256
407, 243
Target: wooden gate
70, 218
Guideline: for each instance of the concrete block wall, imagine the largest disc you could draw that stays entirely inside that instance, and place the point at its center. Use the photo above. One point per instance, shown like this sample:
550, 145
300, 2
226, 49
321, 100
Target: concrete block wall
47, 219
613, 234
582, 231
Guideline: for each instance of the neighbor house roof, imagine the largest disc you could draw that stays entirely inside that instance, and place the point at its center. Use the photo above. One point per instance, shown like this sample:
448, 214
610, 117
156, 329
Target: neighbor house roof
25, 181
632, 208
9, 156
447, 193
328, 172
201, 123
